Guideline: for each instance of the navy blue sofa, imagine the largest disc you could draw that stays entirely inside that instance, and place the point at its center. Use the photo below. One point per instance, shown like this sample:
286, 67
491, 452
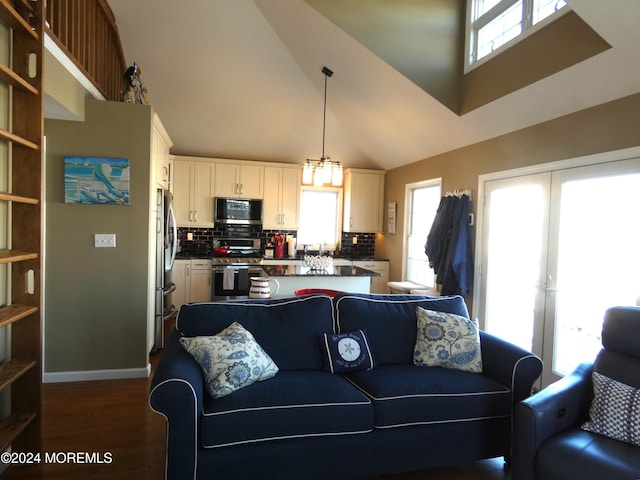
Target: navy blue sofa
308, 423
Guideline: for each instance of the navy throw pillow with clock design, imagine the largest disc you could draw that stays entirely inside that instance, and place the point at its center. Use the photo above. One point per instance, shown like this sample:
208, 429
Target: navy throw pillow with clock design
346, 352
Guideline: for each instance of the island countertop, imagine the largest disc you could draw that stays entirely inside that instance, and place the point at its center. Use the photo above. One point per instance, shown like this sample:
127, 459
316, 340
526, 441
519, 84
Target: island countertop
304, 271
295, 278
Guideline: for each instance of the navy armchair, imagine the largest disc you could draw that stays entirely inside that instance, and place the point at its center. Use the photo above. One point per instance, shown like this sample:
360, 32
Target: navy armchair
549, 442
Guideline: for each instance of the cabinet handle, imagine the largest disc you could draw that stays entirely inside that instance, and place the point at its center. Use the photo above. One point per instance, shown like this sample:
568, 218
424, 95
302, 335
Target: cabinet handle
195, 215
241, 189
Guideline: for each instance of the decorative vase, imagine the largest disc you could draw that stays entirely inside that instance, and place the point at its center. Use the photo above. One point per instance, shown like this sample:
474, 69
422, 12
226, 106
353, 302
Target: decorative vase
261, 289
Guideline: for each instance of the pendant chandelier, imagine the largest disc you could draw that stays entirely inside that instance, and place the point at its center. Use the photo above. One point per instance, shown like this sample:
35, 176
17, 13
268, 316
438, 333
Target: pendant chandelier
324, 171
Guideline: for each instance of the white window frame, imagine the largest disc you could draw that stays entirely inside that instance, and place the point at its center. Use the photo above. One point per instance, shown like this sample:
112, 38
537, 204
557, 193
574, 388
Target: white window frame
407, 219
474, 26
339, 207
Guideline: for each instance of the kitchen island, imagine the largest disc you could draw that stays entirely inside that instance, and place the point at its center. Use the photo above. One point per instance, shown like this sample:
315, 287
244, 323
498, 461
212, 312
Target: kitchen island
344, 278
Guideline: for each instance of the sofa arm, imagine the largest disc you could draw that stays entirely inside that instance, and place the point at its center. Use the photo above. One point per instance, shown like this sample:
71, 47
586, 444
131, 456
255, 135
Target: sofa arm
509, 365
176, 393
558, 407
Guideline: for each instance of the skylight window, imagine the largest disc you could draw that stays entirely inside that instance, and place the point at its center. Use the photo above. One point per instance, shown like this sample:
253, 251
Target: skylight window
495, 23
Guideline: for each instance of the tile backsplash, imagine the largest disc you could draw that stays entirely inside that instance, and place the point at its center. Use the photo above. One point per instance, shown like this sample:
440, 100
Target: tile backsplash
364, 246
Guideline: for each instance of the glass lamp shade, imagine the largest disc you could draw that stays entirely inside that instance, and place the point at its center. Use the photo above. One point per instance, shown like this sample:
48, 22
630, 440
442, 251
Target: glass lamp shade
327, 170
336, 175
307, 173
318, 176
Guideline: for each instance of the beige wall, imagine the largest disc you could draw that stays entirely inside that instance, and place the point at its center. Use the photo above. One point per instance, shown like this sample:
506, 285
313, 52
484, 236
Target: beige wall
608, 127
95, 315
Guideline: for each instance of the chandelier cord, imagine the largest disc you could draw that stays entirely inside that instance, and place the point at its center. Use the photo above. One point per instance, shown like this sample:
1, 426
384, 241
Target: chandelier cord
324, 114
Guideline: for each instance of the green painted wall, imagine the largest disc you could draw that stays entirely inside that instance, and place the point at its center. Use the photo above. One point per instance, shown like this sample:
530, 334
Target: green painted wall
95, 304
422, 39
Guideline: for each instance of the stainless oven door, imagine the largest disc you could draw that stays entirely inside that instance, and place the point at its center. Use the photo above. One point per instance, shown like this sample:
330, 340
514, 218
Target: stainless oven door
232, 281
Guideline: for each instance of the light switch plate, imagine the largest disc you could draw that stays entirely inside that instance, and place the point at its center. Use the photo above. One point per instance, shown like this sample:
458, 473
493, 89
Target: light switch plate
101, 240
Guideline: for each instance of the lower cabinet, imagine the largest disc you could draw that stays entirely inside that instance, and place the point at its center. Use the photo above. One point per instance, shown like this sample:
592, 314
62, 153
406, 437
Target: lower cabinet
201, 274
193, 281
378, 284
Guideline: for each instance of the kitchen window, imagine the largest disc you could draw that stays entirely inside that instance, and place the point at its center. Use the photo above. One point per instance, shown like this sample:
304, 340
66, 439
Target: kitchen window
493, 24
320, 217
421, 204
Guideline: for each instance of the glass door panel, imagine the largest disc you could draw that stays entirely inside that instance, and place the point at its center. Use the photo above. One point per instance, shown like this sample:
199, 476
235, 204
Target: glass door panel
594, 258
514, 258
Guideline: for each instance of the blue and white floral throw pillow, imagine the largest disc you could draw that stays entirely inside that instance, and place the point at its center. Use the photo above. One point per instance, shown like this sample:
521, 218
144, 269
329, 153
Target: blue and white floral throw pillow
447, 340
230, 360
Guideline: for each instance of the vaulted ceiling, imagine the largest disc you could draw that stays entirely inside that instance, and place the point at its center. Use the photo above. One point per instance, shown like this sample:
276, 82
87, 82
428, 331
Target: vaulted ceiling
242, 78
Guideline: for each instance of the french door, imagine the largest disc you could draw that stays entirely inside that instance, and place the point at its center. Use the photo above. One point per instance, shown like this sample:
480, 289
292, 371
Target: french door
557, 249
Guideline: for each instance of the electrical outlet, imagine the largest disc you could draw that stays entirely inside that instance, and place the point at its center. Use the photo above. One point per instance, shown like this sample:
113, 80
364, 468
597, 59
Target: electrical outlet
101, 240
354, 240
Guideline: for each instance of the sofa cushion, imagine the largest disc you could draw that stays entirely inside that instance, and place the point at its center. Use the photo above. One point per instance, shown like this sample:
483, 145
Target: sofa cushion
287, 329
230, 360
447, 340
390, 321
615, 410
346, 352
290, 405
410, 395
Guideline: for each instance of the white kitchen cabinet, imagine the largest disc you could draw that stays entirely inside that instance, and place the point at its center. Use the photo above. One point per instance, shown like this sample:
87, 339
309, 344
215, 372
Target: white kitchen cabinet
378, 284
193, 184
193, 281
241, 180
160, 146
181, 277
201, 275
281, 198
363, 200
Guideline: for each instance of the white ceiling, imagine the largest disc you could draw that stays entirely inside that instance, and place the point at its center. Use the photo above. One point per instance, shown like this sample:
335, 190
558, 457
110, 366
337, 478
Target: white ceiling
242, 79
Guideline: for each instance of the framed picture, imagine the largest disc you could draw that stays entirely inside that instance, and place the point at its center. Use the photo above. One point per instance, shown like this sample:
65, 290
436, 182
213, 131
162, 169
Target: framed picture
96, 180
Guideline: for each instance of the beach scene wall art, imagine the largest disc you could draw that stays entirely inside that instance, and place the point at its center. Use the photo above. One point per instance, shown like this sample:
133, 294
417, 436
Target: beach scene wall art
96, 180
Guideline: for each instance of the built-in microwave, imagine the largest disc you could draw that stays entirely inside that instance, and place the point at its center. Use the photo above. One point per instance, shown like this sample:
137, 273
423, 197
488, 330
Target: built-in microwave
244, 211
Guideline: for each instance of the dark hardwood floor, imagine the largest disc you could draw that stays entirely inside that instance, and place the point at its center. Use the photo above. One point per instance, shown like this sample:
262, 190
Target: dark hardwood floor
113, 418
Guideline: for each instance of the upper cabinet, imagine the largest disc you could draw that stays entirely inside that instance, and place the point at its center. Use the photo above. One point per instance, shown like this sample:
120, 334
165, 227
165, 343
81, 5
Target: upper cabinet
281, 198
160, 145
363, 200
241, 180
193, 184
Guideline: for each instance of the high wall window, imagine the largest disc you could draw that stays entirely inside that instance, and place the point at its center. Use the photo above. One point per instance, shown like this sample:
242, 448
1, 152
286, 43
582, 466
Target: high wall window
492, 24
422, 200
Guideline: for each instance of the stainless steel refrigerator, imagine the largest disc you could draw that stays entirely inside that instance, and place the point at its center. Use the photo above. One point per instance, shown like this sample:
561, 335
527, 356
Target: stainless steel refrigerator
166, 244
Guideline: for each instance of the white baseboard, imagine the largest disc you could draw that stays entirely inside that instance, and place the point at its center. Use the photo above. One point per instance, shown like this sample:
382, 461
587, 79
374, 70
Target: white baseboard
88, 375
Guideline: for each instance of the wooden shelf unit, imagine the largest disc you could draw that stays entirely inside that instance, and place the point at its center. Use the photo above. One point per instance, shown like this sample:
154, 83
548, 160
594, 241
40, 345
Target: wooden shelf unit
21, 174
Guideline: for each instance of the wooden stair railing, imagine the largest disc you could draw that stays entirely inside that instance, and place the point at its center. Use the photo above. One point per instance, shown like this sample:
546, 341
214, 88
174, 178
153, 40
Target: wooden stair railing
86, 31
